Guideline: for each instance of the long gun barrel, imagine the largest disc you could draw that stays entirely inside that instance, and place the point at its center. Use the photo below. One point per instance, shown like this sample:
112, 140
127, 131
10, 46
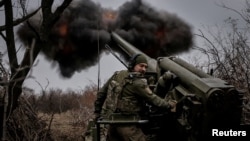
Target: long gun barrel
131, 50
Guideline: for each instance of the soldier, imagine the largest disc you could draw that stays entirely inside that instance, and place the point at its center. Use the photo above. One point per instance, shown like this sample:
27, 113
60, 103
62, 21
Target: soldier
125, 92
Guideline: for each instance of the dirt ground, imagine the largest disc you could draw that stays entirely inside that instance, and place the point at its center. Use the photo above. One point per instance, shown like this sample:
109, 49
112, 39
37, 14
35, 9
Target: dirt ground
63, 127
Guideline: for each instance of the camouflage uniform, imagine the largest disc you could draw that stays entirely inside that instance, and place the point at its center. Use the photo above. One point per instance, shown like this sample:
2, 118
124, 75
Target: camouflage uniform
134, 93
108, 94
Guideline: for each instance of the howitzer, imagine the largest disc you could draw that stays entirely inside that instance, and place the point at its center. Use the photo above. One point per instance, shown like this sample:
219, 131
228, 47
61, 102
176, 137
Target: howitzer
203, 101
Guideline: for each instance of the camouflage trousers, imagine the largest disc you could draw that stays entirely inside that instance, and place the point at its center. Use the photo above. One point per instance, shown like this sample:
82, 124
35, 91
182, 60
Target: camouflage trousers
125, 133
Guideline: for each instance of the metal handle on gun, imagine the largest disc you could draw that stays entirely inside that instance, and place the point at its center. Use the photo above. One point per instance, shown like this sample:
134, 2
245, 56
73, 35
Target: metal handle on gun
111, 51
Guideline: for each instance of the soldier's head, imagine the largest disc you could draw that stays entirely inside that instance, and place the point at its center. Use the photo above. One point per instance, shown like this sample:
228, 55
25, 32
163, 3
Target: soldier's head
138, 63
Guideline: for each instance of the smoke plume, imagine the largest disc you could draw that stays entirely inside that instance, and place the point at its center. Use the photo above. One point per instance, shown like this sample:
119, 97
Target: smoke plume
85, 26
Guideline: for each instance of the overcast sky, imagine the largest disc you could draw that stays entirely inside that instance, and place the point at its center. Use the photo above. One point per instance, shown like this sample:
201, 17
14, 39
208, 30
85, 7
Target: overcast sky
195, 12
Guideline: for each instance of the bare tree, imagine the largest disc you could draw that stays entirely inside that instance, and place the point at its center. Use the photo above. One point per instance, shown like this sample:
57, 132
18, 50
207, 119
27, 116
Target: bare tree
19, 71
228, 53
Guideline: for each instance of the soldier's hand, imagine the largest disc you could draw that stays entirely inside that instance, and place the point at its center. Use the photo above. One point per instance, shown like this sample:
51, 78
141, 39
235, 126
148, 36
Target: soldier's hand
172, 104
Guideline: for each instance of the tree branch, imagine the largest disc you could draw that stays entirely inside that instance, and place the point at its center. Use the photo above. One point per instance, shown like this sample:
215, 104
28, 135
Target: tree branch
2, 3
10, 42
20, 20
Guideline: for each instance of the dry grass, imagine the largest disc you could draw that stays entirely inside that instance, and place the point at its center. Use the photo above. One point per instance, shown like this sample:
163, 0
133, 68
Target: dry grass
62, 127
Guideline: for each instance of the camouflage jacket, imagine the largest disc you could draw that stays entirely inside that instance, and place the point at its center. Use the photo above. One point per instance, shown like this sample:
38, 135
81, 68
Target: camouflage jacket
107, 96
133, 92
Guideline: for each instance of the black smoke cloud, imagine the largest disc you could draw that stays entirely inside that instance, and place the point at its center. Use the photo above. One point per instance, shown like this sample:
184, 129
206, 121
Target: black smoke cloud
85, 26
